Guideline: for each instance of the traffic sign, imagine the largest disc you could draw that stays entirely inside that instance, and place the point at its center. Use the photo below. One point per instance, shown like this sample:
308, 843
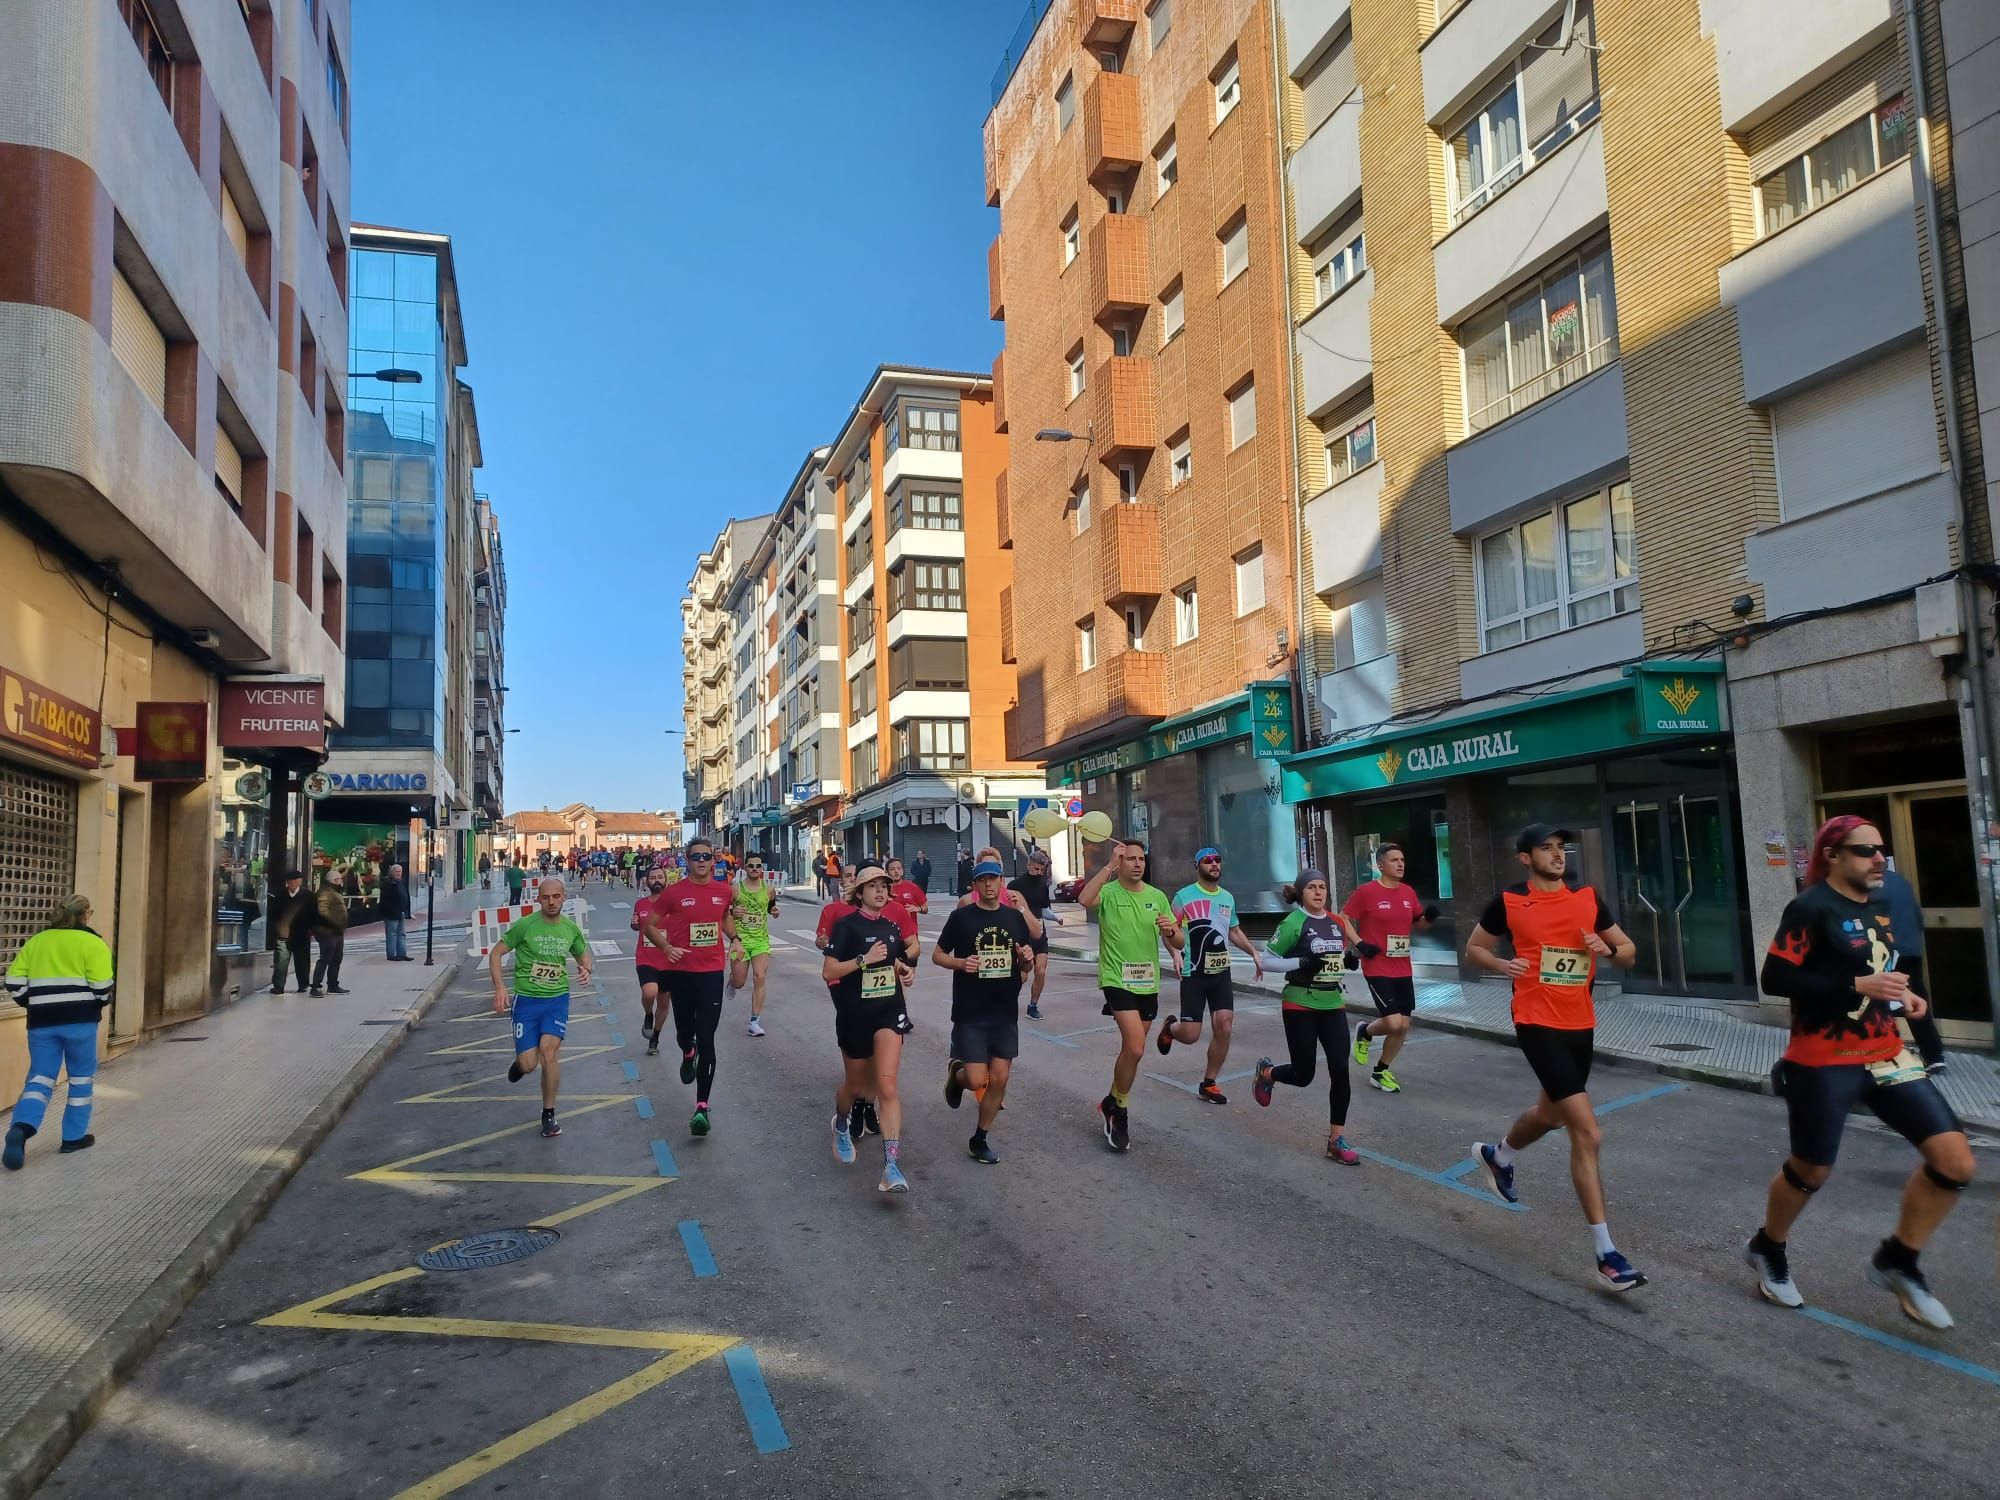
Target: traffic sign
1074, 807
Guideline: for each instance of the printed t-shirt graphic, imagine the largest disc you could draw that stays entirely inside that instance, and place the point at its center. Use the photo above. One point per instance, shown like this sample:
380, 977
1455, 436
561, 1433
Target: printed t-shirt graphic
1208, 916
1547, 929
1320, 945
853, 935
1824, 933
542, 950
990, 937
753, 917
1384, 917
1128, 942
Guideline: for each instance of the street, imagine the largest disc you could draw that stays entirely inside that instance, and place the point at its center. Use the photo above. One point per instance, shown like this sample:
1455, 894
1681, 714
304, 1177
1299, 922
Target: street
1222, 1311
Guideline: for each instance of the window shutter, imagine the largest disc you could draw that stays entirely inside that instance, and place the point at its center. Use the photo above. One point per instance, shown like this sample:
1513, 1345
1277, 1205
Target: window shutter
1865, 432
1328, 82
234, 227
1558, 84
228, 465
1873, 79
137, 341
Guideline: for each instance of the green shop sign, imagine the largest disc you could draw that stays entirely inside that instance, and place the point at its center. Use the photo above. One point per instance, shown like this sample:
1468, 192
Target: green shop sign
1263, 713
1657, 701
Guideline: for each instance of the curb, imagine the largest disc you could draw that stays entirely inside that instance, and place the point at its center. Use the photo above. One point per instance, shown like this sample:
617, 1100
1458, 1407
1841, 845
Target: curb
31, 1449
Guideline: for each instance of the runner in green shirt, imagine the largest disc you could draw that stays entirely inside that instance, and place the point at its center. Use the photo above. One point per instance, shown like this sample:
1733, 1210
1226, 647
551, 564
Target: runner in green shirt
542, 944
1133, 919
1314, 947
755, 904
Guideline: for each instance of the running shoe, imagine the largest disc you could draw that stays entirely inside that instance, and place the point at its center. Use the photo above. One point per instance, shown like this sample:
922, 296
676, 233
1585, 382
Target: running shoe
1166, 1039
893, 1180
653, 1045
954, 1091
1384, 1080
1117, 1124
646, 1031
1911, 1290
1338, 1150
843, 1143
1617, 1274
1261, 1089
1361, 1040
1210, 1092
687, 1066
550, 1128
17, 1148
980, 1152
1774, 1271
1499, 1178
755, 1028
698, 1121
871, 1125
1034, 1011
1105, 1111
1936, 1069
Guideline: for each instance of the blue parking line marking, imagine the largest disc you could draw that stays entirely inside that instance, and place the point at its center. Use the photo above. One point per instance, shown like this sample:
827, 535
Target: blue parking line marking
1188, 1088
697, 1248
1441, 1179
617, 1038
1059, 1041
1640, 1098
644, 1106
1945, 1361
631, 1071
663, 1158
765, 1429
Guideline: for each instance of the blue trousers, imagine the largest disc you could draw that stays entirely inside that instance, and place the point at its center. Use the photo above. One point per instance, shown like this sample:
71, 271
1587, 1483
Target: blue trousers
392, 938
49, 1048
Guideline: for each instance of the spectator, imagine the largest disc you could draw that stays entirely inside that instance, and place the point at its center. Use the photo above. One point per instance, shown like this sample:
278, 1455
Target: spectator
1906, 920
485, 872
920, 871
395, 911
62, 979
291, 937
328, 924
964, 871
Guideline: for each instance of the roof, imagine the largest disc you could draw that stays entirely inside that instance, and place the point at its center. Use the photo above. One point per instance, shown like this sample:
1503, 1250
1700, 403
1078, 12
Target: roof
868, 407
637, 822
538, 822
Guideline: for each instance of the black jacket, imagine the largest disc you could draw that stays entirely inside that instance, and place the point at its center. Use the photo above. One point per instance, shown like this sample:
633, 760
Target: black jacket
395, 898
289, 914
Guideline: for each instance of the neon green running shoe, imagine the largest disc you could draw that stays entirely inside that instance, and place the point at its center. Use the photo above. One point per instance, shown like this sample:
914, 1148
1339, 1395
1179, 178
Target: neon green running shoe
1384, 1080
1361, 1041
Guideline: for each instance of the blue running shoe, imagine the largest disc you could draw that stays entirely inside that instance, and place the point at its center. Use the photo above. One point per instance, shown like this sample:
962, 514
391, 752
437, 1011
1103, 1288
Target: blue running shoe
1499, 1178
843, 1143
893, 1180
1618, 1274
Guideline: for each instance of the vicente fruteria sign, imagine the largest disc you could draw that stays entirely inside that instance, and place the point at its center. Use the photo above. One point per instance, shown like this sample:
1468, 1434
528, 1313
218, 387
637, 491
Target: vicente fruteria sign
272, 713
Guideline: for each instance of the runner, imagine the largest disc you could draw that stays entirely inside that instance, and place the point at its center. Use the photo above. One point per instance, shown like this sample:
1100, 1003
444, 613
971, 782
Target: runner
649, 912
756, 904
1037, 901
1559, 933
985, 945
868, 961
517, 882
1834, 958
697, 918
1133, 919
1208, 914
542, 943
907, 893
1315, 947
1385, 911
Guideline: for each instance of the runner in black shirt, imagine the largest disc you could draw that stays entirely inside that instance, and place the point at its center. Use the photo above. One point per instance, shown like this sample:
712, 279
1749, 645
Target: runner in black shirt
1033, 889
986, 947
1835, 959
868, 961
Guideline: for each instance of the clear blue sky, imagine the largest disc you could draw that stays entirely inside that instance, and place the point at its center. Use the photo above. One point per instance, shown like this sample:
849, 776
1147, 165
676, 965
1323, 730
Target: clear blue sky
685, 235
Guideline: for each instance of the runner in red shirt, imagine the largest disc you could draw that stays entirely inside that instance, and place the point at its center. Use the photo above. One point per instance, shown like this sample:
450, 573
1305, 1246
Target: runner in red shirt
697, 918
907, 893
1385, 911
650, 911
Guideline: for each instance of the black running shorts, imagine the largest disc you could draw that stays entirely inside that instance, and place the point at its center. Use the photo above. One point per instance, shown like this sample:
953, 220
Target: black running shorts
854, 1026
1201, 992
650, 975
985, 1039
1115, 1000
1819, 1099
1395, 995
1561, 1059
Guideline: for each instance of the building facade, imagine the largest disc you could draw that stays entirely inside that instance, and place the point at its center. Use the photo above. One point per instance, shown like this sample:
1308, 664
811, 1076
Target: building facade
173, 236
526, 835
806, 725
402, 763
1638, 456
707, 655
489, 668
1145, 390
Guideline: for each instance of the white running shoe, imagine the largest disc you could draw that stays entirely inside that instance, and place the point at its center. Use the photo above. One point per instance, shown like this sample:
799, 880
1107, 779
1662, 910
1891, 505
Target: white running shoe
755, 1028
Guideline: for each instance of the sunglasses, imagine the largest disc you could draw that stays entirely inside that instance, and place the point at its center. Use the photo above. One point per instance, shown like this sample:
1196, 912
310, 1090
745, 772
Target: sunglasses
701, 856
1866, 851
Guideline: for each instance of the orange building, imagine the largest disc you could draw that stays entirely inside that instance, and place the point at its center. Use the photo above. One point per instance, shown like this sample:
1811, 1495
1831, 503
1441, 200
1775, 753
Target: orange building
925, 645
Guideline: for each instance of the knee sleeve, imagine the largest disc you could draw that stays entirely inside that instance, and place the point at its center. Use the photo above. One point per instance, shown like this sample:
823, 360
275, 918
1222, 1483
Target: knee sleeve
1797, 1181
1949, 1184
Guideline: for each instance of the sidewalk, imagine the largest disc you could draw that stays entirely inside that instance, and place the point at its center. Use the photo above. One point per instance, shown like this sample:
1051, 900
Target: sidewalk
1696, 1040
197, 1133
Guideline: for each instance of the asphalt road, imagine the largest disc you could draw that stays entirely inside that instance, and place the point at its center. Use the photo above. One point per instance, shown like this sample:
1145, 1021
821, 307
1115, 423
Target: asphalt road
1223, 1311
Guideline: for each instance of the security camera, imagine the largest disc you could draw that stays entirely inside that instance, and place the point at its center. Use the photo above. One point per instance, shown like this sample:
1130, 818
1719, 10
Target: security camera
1741, 606
203, 637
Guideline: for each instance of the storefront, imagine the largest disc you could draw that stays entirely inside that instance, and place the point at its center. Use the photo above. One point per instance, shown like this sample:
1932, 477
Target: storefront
1208, 777
808, 813
1641, 765
381, 808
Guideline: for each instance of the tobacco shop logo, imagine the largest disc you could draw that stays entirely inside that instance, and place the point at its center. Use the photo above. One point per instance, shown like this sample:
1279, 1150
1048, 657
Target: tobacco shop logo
1681, 696
1389, 762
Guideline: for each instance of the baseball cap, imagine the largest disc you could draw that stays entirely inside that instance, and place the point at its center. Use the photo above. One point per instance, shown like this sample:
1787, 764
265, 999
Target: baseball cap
1541, 833
987, 867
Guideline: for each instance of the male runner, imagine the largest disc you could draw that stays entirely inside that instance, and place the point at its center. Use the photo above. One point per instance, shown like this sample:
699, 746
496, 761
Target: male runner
907, 893
698, 916
985, 945
542, 944
649, 911
1037, 899
517, 882
1835, 959
756, 904
1133, 919
1207, 913
1559, 934
1385, 911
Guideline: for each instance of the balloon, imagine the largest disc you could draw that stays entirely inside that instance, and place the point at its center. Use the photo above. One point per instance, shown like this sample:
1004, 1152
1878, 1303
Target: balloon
1095, 826
1044, 823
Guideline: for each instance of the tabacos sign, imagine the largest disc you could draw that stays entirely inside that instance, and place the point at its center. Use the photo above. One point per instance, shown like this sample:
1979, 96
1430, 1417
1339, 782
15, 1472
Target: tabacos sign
1441, 757
44, 720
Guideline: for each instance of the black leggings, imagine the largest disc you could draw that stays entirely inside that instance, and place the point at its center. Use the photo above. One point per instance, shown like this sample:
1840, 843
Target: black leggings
697, 1000
1305, 1032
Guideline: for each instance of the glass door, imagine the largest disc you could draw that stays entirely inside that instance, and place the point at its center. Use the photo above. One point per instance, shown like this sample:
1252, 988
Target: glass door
1942, 869
1640, 857
1676, 881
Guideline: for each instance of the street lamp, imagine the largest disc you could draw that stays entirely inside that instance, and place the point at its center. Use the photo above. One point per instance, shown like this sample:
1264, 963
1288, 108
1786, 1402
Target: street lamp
1061, 435
395, 376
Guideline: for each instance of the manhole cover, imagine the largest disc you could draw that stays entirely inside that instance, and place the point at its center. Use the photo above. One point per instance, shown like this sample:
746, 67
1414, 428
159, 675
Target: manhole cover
476, 1252
1683, 1047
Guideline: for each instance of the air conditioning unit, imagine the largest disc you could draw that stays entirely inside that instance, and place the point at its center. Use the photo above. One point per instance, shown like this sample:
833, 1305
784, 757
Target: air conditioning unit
972, 791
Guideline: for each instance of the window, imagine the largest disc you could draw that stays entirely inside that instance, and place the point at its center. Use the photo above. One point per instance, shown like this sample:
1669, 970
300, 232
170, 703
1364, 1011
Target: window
1159, 21
1110, 61
1836, 165
1114, 200
861, 550
336, 85
1135, 628
1076, 380
1544, 97
1242, 414
1166, 166
1560, 568
1180, 455
1086, 645
1228, 90
136, 340
861, 694
1338, 258
228, 469
1360, 624
1325, 85
934, 428
1350, 450
927, 585
1187, 614
861, 622
931, 666
863, 758
1128, 482
1235, 239
138, 18
1173, 314
1079, 501
1065, 103
1072, 238
234, 229
1249, 581
933, 745
925, 510
1121, 339
1543, 337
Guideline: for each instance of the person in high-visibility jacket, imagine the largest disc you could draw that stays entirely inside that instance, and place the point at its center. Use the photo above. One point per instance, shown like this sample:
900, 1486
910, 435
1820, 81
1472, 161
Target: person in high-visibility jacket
62, 978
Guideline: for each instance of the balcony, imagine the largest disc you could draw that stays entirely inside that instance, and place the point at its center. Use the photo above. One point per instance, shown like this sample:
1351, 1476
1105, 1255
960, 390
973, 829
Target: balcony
1117, 266
1359, 695
1558, 204
1128, 540
1345, 524
996, 304
1135, 685
1462, 54
1000, 391
1111, 143
1336, 345
1105, 23
1122, 406
1003, 516
1768, 52
1309, 26
1565, 442
1326, 171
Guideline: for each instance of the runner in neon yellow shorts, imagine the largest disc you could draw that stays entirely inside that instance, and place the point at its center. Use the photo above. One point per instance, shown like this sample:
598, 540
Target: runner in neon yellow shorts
756, 903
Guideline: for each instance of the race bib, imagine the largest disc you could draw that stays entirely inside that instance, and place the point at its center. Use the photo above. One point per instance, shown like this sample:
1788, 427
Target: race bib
1215, 963
1399, 945
1139, 973
1565, 966
704, 934
996, 966
750, 921
1327, 977
878, 984
541, 971
1904, 1067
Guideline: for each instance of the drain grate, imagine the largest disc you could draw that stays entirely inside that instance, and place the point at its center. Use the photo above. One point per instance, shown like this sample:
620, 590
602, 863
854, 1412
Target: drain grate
1682, 1047
187, 1038
390, 1021
497, 1247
